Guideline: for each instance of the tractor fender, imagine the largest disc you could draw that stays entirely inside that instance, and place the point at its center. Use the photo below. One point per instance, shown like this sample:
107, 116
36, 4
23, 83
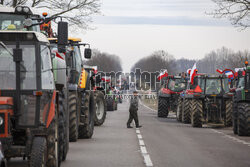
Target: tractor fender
52, 111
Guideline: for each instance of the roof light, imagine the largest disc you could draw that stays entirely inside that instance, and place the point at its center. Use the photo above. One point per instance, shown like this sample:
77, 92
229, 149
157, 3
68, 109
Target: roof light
19, 9
45, 14
26, 9
246, 63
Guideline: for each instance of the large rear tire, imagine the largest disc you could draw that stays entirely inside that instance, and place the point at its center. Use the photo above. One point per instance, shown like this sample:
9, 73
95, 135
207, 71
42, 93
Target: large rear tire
101, 108
163, 107
63, 136
196, 114
73, 117
38, 155
243, 119
228, 113
86, 127
186, 114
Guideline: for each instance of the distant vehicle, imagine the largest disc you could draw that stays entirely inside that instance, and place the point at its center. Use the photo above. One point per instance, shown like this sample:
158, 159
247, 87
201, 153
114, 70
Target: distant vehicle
168, 95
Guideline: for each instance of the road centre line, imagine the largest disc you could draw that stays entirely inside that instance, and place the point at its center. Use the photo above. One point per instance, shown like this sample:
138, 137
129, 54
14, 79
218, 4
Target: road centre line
145, 155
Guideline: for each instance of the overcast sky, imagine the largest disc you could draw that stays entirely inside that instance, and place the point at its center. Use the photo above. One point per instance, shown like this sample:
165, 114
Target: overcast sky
133, 29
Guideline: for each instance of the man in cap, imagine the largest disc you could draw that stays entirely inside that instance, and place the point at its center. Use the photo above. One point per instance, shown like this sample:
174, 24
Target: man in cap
133, 108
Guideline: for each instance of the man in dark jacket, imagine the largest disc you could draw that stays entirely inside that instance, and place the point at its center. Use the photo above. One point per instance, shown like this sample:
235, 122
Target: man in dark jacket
133, 108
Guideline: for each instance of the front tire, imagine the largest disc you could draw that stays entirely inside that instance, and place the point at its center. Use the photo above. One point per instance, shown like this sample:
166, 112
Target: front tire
196, 114
101, 108
73, 117
86, 127
243, 119
186, 114
163, 107
38, 155
179, 110
228, 113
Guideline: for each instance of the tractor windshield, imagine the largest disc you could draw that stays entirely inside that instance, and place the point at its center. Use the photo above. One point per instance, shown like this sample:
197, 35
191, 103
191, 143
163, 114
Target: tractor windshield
225, 85
8, 67
213, 86
177, 85
241, 82
15, 22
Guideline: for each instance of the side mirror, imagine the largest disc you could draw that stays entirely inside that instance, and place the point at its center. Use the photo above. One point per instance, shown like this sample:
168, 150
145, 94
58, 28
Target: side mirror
62, 36
87, 53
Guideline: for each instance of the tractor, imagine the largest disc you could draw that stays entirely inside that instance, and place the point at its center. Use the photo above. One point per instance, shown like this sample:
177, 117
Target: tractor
31, 108
101, 105
81, 101
210, 100
241, 113
168, 95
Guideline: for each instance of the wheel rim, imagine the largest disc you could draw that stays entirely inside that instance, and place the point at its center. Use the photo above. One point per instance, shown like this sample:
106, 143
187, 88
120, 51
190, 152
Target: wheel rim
99, 109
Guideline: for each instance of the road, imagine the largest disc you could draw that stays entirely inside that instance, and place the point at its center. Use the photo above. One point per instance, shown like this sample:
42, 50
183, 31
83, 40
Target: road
163, 143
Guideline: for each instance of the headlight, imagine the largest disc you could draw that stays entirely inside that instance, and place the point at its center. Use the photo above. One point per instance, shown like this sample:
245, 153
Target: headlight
1, 120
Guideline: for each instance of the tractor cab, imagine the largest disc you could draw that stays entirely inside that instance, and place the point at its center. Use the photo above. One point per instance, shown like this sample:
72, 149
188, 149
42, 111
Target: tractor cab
18, 19
27, 89
176, 84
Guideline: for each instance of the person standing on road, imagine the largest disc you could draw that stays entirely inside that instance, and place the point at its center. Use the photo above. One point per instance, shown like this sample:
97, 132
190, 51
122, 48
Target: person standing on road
133, 108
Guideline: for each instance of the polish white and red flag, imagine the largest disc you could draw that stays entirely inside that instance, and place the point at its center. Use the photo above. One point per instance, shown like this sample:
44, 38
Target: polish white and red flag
193, 73
163, 74
106, 79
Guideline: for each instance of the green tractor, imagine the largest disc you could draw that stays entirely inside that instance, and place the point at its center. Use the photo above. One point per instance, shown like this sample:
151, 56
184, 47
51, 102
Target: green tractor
31, 107
81, 100
241, 113
210, 100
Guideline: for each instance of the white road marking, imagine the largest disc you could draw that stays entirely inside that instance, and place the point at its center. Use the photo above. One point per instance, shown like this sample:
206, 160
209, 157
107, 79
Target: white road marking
141, 143
143, 150
147, 107
145, 155
148, 161
139, 136
232, 138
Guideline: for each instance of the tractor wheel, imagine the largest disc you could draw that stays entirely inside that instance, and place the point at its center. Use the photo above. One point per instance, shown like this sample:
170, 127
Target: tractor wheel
86, 127
196, 114
110, 104
38, 155
52, 143
62, 137
101, 108
186, 113
179, 110
73, 117
163, 107
243, 119
228, 113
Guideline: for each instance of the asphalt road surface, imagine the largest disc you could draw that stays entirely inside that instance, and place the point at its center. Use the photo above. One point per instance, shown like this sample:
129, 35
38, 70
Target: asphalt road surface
160, 143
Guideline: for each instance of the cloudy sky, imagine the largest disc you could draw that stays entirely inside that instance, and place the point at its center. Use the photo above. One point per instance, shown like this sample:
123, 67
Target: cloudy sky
133, 29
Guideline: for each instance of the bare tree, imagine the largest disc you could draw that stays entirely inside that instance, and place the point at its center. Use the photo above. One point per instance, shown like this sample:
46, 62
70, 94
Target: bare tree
77, 12
238, 11
105, 62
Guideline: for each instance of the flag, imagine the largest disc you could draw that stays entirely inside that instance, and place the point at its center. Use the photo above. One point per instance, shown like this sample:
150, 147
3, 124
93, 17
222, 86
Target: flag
189, 71
163, 74
229, 74
219, 71
106, 79
192, 74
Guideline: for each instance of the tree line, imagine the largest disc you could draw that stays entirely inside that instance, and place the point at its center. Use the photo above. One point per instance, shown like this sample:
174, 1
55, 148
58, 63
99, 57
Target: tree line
217, 59
104, 61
